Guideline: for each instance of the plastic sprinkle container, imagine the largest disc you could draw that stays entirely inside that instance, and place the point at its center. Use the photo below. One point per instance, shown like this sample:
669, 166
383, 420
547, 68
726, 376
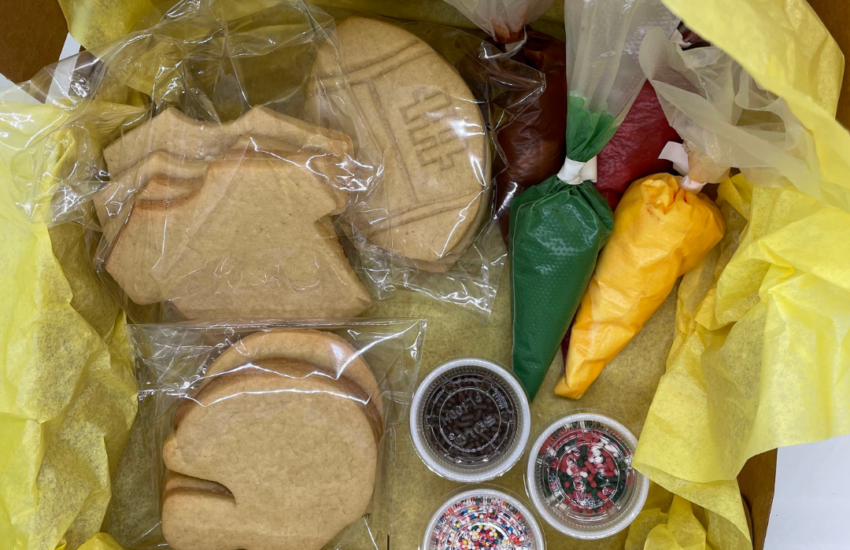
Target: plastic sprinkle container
470, 420
483, 519
580, 476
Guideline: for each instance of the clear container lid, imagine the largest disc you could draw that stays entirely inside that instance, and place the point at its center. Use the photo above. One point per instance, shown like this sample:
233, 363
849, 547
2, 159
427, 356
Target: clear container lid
470, 420
483, 518
580, 476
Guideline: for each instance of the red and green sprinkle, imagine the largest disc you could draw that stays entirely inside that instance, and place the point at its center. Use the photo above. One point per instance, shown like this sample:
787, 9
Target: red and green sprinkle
583, 470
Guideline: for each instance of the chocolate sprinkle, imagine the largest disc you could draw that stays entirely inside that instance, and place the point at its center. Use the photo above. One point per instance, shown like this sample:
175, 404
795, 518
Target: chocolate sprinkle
469, 417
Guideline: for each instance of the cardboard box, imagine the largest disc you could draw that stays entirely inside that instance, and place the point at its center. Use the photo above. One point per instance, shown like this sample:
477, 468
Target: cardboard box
835, 14
33, 33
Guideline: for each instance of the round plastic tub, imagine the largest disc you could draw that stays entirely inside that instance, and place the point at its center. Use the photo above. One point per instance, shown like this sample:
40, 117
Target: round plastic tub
580, 477
470, 420
483, 518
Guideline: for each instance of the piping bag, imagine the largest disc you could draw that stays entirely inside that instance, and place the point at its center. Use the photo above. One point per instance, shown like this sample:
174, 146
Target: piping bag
634, 151
663, 227
504, 20
531, 135
657, 238
558, 227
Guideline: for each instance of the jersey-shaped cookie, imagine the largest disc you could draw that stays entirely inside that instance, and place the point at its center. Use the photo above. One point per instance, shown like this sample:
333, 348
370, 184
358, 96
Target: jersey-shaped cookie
159, 176
254, 240
425, 119
258, 453
181, 148
188, 138
163, 176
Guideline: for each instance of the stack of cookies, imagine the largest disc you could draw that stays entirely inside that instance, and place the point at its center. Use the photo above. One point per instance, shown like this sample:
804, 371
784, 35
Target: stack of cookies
230, 220
276, 449
436, 181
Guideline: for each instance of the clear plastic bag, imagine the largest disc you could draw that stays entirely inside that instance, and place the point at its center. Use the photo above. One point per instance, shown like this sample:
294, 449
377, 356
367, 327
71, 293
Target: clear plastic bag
604, 75
179, 136
429, 225
188, 147
267, 435
504, 20
728, 120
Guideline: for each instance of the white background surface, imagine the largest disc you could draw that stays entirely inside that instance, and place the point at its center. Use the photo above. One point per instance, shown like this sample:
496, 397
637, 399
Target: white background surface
811, 506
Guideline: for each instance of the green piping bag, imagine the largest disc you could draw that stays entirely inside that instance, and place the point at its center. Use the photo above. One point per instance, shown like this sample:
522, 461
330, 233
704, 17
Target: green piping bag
559, 226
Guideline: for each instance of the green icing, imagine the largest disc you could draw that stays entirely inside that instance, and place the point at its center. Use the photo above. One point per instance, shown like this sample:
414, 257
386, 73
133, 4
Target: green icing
587, 132
557, 230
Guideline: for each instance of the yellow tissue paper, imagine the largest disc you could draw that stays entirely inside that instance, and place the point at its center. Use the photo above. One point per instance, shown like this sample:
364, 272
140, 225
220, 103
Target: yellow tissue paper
100, 541
654, 513
660, 232
669, 522
95, 22
67, 393
758, 361
683, 531
766, 337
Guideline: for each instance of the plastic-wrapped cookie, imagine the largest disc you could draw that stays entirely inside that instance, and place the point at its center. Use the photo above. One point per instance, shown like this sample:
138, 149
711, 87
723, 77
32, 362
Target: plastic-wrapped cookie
326, 350
431, 132
250, 453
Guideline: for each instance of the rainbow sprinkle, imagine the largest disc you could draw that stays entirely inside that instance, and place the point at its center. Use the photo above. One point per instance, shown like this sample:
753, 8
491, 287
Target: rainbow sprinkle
482, 522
